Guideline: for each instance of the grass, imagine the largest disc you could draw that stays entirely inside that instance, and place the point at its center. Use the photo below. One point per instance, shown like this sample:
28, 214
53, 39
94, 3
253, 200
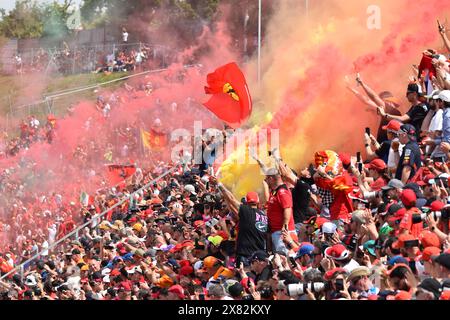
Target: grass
17, 91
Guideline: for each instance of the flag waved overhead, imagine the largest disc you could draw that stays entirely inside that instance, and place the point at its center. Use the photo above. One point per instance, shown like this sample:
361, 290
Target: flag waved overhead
230, 101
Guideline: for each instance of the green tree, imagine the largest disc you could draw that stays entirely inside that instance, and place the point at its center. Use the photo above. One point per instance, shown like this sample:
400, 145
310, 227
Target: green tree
55, 16
24, 21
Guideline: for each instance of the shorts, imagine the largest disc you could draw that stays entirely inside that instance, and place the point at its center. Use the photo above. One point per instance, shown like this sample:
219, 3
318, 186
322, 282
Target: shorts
278, 243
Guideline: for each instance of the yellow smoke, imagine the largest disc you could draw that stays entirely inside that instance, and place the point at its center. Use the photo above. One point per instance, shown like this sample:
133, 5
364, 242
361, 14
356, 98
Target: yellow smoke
304, 61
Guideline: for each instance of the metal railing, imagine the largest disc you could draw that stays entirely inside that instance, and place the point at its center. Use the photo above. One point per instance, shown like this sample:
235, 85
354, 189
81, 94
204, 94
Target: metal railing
75, 232
47, 105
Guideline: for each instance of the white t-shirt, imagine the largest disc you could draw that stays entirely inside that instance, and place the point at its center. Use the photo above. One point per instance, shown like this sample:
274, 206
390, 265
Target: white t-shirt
436, 121
351, 265
394, 157
51, 234
125, 36
45, 247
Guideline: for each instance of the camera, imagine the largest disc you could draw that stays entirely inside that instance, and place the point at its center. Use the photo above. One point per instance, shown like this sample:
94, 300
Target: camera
297, 289
370, 196
443, 215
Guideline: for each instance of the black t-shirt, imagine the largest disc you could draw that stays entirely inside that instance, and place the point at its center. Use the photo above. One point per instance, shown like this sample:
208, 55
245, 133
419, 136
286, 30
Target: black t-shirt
410, 157
252, 231
383, 152
417, 113
382, 134
301, 195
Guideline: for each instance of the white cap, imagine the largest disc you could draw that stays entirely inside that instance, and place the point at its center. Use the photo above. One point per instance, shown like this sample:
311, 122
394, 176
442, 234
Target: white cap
30, 280
190, 188
329, 227
198, 265
444, 95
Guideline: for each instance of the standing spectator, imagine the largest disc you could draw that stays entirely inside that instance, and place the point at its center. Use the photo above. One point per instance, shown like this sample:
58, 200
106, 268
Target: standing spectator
251, 224
416, 113
279, 210
410, 160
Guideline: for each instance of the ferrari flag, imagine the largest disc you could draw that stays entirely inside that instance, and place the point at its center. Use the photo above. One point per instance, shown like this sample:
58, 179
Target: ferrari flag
230, 101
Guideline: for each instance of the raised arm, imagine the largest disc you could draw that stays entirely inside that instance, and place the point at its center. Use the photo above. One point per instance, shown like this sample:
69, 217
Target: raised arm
371, 93
442, 32
228, 196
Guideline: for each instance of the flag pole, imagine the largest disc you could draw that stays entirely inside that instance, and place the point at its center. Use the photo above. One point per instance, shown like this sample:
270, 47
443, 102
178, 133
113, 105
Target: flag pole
259, 42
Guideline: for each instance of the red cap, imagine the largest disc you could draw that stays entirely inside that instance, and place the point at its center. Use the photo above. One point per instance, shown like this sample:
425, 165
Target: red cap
408, 197
400, 243
392, 125
376, 164
186, 270
426, 179
330, 273
126, 286
178, 290
430, 252
445, 295
345, 158
252, 197
429, 239
403, 295
437, 205
337, 252
115, 272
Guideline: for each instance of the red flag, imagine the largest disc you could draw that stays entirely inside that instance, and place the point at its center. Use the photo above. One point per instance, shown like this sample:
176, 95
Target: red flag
231, 100
118, 173
153, 139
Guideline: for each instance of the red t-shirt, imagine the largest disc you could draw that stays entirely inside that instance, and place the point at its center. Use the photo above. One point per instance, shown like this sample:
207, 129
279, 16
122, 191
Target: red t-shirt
406, 223
278, 201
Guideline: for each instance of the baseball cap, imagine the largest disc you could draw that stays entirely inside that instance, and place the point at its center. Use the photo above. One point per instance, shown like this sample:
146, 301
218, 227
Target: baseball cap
304, 249
430, 252
337, 252
393, 183
376, 164
408, 197
190, 188
426, 179
443, 259
178, 290
444, 95
429, 239
431, 285
433, 95
408, 129
393, 125
405, 241
329, 227
331, 273
370, 247
252, 197
394, 208
210, 262
397, 260
259, 256
413, 87
235, 289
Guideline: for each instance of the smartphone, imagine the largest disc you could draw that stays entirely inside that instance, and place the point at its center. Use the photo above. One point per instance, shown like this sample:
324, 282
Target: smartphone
339, 284
359, 162
292, 260
368, 131
201, 296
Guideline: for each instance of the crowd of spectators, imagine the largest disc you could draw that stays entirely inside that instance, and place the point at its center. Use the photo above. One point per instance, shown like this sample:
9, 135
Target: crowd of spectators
370, 227
85, 59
